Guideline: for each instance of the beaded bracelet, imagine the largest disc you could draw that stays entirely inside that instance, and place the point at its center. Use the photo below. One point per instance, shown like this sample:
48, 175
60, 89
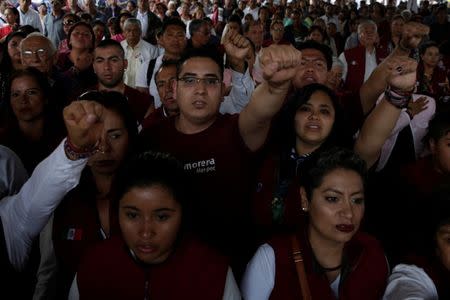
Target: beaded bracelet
399, 99
74, 153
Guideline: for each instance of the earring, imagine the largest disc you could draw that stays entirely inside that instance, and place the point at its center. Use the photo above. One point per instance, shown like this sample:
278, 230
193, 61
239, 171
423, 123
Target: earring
304, 209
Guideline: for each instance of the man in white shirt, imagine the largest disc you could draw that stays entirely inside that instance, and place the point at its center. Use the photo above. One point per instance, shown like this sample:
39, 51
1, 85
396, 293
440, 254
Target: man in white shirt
173, 40
360, 62
142, 15
29, 16
252, 9
150, 23
137, 51
329, 15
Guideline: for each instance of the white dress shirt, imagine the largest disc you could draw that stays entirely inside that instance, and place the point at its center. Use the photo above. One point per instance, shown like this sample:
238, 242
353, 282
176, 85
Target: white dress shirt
410, 282
419, 127
143, 17
12, 172
25, 214
141, 54
259, 277
31, 17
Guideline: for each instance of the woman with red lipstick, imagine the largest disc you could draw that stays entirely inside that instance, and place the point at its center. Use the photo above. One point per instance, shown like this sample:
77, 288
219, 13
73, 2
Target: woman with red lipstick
311, 122
84, 217
336, 261
155, 257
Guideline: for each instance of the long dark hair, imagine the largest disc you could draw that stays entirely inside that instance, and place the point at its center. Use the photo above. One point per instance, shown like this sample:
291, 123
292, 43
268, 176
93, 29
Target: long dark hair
6, 63
50, 113
286, 127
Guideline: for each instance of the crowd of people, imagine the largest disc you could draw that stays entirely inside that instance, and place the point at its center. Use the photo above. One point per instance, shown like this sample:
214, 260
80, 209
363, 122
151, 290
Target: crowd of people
247, 149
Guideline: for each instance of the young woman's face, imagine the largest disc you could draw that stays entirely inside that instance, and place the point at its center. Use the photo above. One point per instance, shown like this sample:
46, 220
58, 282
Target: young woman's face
314, 120
11, 18
441, 153
81, 38
443, 245
336, 207
67, 23
13, 48
113, 146
150, 219
431, 56
316, 36
27, 99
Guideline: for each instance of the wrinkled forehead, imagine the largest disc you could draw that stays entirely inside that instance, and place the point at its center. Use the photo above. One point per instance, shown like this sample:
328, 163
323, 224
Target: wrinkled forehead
313, 55
35, 42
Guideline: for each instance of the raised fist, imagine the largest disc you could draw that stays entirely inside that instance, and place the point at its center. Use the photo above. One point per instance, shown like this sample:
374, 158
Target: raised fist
236, 45
84, 123
279, 64
401, 73
412, 35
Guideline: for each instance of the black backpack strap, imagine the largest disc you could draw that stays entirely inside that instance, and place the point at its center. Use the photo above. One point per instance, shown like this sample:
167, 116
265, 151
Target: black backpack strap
151, 67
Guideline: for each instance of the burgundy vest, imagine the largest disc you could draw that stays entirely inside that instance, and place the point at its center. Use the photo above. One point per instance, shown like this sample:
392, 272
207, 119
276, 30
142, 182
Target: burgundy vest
192, 271
139, 102
356, 66
76, 228
423, 177
364, 277
154, 118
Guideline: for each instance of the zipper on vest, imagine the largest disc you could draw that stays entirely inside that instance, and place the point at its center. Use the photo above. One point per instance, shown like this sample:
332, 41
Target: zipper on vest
146, 290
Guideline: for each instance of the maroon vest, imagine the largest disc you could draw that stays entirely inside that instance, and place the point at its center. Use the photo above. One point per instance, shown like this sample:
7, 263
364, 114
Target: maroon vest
193, 271
423, 177
154, 118
139, 102
356, 67
364, 277
76, 228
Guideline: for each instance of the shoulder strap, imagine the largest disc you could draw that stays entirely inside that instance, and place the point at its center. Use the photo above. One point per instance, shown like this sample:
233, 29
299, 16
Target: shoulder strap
299, 265
151, 67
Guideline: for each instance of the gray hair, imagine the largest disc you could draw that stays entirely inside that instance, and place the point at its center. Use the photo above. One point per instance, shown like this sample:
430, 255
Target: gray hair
365, 23
132, 21
51, 47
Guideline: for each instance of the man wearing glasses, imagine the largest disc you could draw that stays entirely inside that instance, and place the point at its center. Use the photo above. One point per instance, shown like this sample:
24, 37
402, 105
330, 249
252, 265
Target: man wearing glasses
218, 150
38, 52
53, 23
